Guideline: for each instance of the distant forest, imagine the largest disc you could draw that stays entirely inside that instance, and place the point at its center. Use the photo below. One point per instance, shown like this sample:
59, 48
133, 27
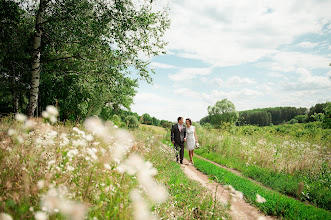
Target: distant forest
277, 115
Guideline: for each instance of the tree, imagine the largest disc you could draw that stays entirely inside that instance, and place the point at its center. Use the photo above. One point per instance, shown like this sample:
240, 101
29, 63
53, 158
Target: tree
15, 31
223, 112
93, 42
147, 119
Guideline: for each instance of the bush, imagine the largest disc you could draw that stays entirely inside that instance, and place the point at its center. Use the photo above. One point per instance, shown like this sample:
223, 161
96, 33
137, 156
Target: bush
116, 119
293, 121
132, 122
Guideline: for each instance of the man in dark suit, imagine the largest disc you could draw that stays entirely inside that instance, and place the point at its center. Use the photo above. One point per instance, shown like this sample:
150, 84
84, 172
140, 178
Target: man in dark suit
178, 137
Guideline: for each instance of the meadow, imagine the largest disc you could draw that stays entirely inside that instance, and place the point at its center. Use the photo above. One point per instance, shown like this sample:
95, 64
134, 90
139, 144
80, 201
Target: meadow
291, 159
93, 170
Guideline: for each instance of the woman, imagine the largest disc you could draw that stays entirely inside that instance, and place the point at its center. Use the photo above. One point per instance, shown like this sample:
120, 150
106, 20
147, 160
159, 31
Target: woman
191, 139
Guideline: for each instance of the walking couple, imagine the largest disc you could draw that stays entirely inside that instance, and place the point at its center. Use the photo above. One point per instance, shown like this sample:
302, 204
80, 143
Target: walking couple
181, 134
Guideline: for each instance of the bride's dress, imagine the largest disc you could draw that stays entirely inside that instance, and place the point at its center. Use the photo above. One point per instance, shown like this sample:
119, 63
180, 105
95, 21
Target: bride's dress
190, 139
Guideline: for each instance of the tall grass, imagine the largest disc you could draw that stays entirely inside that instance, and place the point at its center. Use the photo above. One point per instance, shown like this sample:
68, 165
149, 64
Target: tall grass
64, 171
276, 156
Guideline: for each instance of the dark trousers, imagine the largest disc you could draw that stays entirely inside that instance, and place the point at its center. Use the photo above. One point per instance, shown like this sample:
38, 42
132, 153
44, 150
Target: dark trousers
180, 148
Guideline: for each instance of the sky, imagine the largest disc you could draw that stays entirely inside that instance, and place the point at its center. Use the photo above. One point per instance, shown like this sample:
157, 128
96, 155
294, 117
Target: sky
254, 53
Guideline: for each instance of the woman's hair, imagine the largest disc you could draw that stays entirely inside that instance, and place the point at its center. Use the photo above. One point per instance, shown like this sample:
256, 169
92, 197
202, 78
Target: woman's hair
188, 119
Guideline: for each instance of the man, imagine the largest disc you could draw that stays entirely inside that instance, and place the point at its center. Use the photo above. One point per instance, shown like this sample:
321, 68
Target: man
178, 137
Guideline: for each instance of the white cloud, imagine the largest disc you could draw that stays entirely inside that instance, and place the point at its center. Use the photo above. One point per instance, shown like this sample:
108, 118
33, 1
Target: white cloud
233, 81
306, 44
189, 73
157, 65
306, 81
225, 32
186, 92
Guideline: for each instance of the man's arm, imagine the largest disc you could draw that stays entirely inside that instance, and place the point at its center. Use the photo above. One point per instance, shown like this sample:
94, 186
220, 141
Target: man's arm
172, 134
185, 134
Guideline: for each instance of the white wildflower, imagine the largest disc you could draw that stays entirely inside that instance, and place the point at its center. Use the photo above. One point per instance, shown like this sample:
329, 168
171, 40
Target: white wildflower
55, 201
20, 139
72, 153
52, 110
53, 119
70, 168
11, 132
89, 137
107, 166
31, 209
79, 142
141, 211
41, 184
29, 125
260, 199
92, 152
41, 215
45, 114
5, 216
20, 117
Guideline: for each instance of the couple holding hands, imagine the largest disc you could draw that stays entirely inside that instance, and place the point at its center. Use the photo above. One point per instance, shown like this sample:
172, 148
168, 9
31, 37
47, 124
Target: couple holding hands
181, 134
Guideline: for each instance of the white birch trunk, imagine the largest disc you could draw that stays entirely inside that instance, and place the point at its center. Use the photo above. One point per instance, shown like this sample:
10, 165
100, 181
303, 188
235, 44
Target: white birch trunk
36, 65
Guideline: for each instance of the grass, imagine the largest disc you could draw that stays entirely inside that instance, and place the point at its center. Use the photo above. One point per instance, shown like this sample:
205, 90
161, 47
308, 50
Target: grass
81, 170
280, 161
276, 204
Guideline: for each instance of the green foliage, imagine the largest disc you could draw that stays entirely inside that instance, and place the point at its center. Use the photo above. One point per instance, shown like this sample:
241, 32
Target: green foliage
116, 119
132, 122
222, 112
301, 118
147, 119
327, 118
88, 51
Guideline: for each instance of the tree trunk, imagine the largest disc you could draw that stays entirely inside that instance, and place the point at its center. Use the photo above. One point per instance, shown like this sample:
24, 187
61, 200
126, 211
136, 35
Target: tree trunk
36, 65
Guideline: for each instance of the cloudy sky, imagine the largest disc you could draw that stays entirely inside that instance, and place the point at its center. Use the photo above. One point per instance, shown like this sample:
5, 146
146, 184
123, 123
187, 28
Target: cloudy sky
255, 53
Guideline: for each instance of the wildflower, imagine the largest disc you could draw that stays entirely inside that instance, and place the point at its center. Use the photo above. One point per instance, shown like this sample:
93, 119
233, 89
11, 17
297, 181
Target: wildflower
5, 216
52, 110
41, 184
55, 201
11, 132
20, 117
141, 211
89, 137
70, 168
29, 125
107, 166
40, 215
45, 114
92, 152
260, 199
20, 139
79, 142
53, 119
72, 153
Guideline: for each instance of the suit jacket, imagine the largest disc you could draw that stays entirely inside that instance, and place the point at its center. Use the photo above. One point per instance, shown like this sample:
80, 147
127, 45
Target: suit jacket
176, 135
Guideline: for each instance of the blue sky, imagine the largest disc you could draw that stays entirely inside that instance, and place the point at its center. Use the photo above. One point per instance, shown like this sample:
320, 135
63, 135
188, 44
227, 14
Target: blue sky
255, 53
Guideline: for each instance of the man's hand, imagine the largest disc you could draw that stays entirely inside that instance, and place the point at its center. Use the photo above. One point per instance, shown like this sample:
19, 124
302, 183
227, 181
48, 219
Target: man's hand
184, 139
173, 142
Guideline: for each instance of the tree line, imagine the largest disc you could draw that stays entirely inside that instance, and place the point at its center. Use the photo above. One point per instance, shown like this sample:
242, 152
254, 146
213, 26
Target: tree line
84, 56
224, 113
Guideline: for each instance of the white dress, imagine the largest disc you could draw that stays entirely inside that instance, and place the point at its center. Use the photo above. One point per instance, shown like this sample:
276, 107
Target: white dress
190, 139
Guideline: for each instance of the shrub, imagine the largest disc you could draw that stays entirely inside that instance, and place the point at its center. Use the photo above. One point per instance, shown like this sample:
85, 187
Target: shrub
132, 122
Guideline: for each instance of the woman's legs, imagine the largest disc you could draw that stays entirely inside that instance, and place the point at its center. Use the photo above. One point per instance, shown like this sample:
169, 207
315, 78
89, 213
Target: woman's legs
190, 153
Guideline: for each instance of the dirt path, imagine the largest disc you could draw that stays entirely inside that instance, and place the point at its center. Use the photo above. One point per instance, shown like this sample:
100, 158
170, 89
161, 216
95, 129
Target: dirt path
239, 208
